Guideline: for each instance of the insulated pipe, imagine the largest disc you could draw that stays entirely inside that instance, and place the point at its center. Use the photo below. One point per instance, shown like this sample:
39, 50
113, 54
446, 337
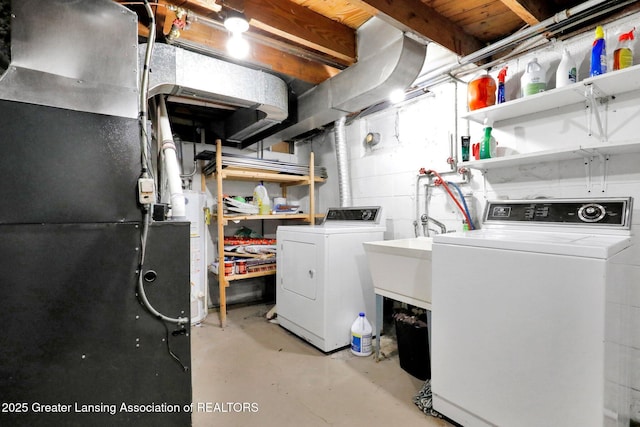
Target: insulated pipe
171, 166
344, 178
437, 74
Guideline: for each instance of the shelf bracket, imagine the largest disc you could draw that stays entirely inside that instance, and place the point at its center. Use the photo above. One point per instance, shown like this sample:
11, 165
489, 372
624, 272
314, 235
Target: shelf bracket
595, 97
604, 162
588, 170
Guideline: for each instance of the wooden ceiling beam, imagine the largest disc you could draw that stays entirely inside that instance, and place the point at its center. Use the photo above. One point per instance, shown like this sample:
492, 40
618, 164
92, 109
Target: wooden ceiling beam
266, 57
415, 16
304, 27
530, 11
290, 22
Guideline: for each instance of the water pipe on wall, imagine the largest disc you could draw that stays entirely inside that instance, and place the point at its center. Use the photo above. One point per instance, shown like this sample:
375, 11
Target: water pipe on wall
560, 21
171, 166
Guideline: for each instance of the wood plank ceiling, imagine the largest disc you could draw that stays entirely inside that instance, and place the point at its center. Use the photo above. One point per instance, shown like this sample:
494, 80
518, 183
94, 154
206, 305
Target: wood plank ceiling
312, 40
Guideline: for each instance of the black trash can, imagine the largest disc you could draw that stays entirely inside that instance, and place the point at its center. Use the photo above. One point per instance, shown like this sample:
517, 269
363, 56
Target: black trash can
412, 335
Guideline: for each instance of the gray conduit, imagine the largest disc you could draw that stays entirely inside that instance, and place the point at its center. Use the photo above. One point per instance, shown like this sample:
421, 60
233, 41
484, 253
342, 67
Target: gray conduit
344, 177
443, 73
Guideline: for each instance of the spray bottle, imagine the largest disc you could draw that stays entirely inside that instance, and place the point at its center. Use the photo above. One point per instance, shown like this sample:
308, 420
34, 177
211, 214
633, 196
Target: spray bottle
623, 55
501, 76
598, 54
485, 144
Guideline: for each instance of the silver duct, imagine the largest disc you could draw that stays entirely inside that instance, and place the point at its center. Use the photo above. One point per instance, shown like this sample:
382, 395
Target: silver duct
387, 60
344, 176
195, 78
90, 65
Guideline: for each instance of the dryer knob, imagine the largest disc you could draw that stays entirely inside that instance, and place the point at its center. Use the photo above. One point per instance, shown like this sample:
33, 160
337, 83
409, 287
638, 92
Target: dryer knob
591, 212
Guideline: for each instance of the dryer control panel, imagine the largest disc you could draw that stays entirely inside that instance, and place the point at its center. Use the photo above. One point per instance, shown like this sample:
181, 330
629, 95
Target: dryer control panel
608, 212
360, 215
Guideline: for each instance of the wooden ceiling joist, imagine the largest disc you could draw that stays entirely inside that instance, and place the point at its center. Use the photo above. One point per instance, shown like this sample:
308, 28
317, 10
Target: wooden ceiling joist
267, 57
304, 27
530, 11
414, 15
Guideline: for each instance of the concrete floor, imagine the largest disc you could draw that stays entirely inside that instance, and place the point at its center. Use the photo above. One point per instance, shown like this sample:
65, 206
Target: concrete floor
254, 372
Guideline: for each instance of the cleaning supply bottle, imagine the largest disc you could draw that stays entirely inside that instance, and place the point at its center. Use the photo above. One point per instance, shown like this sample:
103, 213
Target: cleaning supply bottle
481, 92
534, 79
261, 199
623, 55
501, 76
361, 334
598, 54
567, 72
485, 144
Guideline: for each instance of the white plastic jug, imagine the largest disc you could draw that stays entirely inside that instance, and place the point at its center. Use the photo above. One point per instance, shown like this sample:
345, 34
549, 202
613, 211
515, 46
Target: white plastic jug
534, 79
567, 72
261, 199
361, 333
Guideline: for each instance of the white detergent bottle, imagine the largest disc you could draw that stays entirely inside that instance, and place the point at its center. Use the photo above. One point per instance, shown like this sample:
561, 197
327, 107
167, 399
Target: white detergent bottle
567, 71
534, 79
361, 333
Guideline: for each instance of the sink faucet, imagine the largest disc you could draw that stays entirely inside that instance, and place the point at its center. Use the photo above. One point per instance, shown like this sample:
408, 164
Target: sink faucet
425, 221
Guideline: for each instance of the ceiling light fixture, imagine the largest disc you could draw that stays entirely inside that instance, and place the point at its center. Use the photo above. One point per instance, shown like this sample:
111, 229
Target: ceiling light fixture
236, 22
237, 46
396, 96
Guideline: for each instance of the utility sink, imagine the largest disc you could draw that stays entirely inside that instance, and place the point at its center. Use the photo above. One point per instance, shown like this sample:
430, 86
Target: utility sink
401, 269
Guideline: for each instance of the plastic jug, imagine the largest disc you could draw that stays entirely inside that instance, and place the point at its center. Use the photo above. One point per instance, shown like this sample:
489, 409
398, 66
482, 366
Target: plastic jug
361, 333
481, 92
261, 199
534, 79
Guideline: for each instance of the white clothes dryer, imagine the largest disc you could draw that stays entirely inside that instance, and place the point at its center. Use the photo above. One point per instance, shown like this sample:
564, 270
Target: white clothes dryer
323, 280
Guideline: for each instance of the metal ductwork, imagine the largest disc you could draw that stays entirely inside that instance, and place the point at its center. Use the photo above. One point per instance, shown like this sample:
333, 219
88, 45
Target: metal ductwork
387, 59
258, 100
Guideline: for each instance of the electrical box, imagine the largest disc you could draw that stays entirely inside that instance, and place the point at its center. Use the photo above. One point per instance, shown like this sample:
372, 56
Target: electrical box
146, 191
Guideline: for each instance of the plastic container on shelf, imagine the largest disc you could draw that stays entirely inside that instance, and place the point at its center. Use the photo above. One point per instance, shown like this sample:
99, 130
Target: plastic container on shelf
361, 334
481, 92
598, 54
502, 75
567, 72
534, 79
488, 143
261, 199
623, 55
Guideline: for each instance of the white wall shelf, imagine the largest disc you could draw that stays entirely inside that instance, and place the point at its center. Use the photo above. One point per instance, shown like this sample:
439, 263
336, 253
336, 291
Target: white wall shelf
579, 152
603, 86
609, 84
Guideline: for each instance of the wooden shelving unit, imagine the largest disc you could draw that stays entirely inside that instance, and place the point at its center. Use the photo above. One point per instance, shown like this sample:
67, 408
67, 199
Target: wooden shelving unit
233, 173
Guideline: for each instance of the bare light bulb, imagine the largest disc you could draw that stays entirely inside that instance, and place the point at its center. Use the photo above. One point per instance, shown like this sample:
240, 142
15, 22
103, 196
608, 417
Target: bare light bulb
238, 46
396, 96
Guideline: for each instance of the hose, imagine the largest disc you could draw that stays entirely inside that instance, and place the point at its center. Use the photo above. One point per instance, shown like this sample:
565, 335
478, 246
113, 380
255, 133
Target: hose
464, 203
141, 293
442, 182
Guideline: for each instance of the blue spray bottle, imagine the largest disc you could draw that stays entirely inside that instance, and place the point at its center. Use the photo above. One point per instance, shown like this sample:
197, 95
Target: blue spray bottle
502, 75
598, 54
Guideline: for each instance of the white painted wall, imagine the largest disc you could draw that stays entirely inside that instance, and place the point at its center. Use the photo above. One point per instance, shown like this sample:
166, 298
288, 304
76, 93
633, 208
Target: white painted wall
418, 135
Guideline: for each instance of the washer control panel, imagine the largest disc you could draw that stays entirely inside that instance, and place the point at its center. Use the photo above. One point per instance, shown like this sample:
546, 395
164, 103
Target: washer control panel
363, 214
610, 212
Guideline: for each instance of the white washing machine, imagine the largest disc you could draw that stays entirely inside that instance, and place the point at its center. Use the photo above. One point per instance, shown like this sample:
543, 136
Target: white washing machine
323, 280
530, 316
